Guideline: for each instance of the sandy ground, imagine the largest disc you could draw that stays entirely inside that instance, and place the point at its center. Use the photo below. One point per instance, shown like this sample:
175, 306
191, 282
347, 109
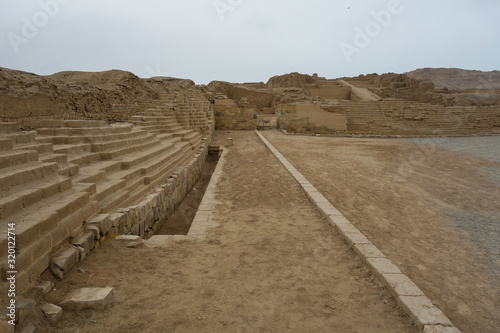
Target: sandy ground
433, 212
272, 265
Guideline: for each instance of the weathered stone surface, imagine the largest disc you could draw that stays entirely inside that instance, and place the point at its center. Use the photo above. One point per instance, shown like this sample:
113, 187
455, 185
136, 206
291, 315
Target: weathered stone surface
401, 285
422, 311
440, 329
24, 308
87, 298
381, 266
127, 238
52, 312
85, 240
45, 287
136, 244
368, 251
64, 260
102, 221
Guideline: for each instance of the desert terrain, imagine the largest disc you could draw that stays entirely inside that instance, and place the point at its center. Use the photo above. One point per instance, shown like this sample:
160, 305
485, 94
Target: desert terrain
411, 160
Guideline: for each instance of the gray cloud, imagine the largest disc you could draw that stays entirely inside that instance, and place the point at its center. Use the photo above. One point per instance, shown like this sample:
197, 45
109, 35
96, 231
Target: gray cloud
243, 40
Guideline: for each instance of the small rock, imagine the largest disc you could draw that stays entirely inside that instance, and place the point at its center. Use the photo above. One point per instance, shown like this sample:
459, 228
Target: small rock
127, 238
81, 271
45, 287
87, 298
136, 244
52, 312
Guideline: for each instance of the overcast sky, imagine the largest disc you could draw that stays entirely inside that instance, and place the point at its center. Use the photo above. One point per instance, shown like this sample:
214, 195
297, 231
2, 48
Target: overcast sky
248, 40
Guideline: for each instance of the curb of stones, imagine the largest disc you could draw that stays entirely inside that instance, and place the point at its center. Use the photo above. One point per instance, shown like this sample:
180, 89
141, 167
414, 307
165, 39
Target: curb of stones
410, 298
203, 219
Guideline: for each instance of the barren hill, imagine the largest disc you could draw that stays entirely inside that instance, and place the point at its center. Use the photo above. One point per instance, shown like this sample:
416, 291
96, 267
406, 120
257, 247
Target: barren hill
25, 94
457, 79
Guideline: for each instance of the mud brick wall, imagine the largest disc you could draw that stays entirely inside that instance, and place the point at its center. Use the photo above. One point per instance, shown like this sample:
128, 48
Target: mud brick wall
293, 121
230, 116
117, 113
410, 118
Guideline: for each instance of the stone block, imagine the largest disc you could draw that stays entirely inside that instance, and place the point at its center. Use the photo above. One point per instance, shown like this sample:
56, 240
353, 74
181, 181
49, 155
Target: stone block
118, 220
64, 260
85, 240
422, 311
52, 312
337, 219
440, 329
401, 285
380, 266
347, 228
44, 287
87, 298
102, 221
368, 251
354, 238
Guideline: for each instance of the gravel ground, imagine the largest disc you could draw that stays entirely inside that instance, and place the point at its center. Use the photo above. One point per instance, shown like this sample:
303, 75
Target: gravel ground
481, 227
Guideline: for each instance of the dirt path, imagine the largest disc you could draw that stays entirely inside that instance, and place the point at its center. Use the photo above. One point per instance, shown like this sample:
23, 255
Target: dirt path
272, 265
405, 199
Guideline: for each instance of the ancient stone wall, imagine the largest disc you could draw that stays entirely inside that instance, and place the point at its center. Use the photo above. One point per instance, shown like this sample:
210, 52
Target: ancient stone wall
231, 116
298, 119
411, 118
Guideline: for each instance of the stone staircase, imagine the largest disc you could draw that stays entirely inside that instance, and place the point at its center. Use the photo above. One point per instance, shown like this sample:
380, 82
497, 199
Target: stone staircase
71, 181
38, 197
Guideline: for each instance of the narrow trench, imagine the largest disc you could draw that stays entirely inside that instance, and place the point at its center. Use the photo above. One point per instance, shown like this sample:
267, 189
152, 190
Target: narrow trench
180, 221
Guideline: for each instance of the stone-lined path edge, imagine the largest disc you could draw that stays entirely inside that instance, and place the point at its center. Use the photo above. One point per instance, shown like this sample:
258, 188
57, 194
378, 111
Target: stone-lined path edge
409, 296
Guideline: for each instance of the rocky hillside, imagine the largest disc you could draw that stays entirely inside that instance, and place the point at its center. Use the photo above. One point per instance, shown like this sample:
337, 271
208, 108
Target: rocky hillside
457, 79
96, 95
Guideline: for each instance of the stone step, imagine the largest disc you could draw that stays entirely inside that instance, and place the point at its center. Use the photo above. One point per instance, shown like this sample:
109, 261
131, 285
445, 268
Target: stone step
14, 157
86, 131
108, 155
135, 179
59, 158
183, 133
90, 138
9, 127
163, 129
19, 137
43, 217
110, 145
5, 144
140, 118
135, 159
41, 148
25, 173
68, 169
84, 158
13, 201
70, 123
94, 172
73, 149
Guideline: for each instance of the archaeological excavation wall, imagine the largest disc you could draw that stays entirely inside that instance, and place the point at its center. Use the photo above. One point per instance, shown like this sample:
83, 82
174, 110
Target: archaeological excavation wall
231, 116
